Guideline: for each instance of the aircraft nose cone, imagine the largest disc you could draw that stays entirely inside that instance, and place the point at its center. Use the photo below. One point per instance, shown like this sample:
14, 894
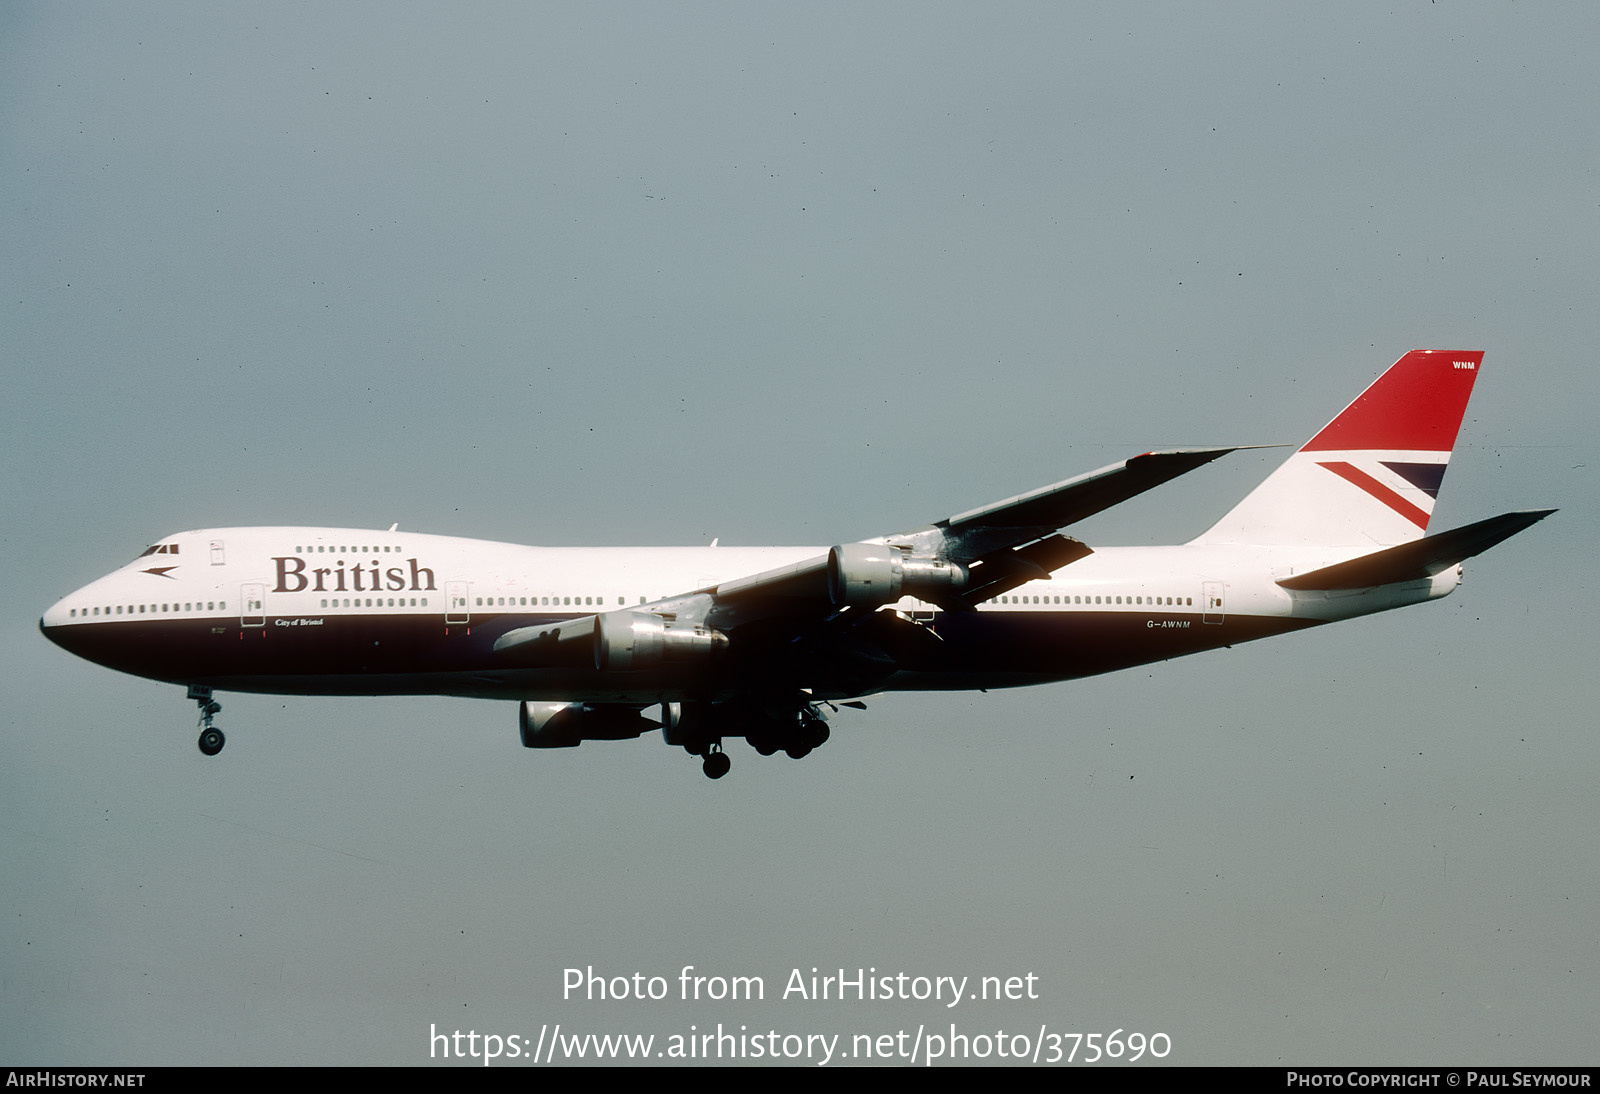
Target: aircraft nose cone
135, 645
50, 627
53, 625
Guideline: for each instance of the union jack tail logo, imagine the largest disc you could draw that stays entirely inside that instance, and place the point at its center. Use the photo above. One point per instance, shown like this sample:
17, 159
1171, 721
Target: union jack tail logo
1370, 476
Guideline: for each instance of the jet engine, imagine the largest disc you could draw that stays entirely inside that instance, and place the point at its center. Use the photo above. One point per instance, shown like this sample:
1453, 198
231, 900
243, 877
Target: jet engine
567, 725
866, 575
640, 640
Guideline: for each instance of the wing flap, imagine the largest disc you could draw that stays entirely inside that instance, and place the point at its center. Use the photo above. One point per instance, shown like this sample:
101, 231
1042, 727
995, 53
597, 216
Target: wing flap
1001, 571
562, 643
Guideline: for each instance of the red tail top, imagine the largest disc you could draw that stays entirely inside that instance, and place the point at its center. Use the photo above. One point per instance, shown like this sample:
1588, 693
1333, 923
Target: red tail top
1416, 406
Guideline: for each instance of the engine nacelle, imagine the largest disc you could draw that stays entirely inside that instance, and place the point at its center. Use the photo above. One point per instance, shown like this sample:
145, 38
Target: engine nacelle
624, 641
567, 725
871, 574
864, 574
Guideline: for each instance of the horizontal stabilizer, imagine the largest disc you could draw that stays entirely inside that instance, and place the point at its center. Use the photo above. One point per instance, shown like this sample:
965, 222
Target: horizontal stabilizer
1420, 559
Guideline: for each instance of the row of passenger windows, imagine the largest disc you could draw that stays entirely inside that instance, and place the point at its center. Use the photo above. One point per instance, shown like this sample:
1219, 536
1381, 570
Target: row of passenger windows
565, 601
142, 609
342, 550
599, 601
374, 602
548, 601
1172, 601
482, 601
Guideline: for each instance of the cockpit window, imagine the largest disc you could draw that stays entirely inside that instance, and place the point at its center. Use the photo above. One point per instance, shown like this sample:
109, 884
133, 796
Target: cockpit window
160, 549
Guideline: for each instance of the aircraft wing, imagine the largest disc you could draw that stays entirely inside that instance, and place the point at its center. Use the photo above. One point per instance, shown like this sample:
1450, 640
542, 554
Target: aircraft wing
1010, 542
567, 642
1050, 507
956, 563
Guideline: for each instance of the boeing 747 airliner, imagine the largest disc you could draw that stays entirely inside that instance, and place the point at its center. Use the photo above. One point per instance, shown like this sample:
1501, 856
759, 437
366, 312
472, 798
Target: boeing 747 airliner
761, 642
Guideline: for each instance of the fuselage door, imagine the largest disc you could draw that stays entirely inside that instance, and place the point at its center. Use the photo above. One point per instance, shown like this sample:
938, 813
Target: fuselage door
252, 605
455, 598
1215, 610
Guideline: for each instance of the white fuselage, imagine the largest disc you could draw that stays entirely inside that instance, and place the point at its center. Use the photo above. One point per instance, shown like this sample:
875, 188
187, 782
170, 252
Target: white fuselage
349, 611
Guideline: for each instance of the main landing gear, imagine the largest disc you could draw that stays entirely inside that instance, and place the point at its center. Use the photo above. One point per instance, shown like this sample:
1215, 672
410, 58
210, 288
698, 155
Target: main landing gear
700, 727
211, 738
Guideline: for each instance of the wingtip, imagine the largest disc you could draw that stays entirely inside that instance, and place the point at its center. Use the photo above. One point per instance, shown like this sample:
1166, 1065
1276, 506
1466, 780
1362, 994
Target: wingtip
1209, 453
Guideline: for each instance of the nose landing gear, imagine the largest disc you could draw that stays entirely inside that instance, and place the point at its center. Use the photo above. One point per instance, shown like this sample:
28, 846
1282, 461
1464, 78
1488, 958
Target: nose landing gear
211, 738
717, 763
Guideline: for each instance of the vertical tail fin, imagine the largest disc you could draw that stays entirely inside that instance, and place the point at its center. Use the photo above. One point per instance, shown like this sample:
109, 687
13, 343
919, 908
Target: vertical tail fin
1371, 475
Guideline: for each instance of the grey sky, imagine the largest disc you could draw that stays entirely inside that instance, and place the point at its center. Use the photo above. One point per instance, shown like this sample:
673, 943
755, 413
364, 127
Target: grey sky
648, 273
